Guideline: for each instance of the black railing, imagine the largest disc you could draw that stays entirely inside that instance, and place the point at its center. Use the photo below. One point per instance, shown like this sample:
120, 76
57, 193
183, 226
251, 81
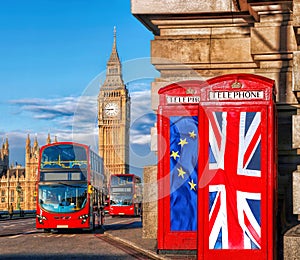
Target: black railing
18, 214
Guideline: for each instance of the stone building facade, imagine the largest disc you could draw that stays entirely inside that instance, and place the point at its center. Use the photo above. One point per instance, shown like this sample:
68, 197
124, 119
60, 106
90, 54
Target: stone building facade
18, 183
205, 39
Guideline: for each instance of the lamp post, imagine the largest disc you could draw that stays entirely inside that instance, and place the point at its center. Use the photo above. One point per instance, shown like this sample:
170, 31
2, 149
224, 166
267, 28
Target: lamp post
19, 190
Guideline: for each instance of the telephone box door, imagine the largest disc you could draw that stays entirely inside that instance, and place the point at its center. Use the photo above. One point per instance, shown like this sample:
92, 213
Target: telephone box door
236, 181
178, 166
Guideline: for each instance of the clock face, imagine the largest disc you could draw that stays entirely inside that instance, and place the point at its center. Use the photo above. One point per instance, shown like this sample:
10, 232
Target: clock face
111, 109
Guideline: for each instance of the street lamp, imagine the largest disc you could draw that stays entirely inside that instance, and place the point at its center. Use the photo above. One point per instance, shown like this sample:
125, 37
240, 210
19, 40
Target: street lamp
19, 190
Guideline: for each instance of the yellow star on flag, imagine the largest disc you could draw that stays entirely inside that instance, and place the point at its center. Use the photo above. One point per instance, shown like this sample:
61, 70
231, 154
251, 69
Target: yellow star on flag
182, 142
192, 185
192, 134
181, 172
175, 154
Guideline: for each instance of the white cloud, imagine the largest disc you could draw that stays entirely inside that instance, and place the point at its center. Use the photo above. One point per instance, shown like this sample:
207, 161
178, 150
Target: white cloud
75, 119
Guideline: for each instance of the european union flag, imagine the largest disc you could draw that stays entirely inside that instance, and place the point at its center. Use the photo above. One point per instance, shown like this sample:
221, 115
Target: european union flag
183, 172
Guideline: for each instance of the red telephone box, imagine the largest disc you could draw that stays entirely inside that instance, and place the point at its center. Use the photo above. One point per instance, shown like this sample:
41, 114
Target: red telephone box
177, 124
237, 168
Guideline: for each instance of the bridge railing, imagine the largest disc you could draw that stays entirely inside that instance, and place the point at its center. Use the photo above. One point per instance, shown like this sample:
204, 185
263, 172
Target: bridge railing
17, 214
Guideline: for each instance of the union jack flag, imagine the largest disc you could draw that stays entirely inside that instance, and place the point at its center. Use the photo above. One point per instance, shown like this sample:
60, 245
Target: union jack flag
235, 189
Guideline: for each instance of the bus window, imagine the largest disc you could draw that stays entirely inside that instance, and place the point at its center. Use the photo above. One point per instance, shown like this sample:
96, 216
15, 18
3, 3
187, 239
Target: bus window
62, 198
64, 156
121, 180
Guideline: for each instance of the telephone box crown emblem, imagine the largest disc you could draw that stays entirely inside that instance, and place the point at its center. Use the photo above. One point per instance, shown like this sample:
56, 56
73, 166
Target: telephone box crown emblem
190, 91
236, 84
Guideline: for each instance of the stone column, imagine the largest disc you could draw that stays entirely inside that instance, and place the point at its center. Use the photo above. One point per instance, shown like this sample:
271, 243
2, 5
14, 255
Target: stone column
292, 244
296, 193
150, 202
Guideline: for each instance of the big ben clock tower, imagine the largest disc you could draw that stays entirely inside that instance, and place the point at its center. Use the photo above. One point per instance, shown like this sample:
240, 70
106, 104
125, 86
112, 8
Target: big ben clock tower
114, 118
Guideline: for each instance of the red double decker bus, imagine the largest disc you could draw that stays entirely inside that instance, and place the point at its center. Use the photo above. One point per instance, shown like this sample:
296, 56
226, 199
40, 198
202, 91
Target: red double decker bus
125, 195
70, 187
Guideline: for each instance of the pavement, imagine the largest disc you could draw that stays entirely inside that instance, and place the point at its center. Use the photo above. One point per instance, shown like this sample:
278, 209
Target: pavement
133, 238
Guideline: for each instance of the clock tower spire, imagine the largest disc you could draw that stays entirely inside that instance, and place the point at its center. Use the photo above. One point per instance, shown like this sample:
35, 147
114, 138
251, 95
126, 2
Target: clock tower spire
114, 117
113, 69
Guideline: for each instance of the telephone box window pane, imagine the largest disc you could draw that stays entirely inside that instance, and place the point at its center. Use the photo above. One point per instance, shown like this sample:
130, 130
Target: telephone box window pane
234, 158
183, 172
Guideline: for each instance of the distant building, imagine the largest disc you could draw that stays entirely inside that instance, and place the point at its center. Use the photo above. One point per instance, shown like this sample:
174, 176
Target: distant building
4, 154
17, 183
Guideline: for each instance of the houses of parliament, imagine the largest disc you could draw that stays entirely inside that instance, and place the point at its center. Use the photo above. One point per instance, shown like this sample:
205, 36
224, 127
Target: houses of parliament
17, 183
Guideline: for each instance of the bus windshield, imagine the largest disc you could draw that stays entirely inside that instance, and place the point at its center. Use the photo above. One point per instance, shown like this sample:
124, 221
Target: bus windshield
121, 180
63, 197
121, 199
64, 156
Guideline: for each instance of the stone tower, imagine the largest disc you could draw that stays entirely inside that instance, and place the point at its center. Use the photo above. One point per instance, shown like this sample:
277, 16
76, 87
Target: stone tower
114, 117
31, 168
4, 157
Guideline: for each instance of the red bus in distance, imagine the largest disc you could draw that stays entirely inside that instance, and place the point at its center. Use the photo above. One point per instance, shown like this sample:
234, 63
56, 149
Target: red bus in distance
70, 187
125, 195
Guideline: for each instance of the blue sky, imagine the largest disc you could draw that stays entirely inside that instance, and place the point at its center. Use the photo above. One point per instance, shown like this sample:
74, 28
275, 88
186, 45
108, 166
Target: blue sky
53, 56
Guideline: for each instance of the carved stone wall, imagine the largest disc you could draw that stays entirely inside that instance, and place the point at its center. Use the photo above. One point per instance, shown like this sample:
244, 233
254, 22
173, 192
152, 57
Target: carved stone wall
291, 244
205, 39
24, 177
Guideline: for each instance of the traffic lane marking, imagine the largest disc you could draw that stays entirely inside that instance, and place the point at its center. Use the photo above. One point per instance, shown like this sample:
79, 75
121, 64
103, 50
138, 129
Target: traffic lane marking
122, 221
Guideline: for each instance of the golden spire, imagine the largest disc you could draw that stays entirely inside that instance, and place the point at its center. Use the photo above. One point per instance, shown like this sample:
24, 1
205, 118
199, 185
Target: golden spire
114, 56
35, 145
48, 141
115, 39
6, 143
28, 141
28, 145
5, 146
114, 69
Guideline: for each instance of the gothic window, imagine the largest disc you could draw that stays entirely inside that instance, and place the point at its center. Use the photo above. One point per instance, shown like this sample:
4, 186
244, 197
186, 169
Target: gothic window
2, 195
12, 196
113, 70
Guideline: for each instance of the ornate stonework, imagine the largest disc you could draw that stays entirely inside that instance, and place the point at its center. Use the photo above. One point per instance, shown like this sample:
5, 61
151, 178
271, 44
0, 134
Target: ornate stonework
17, 183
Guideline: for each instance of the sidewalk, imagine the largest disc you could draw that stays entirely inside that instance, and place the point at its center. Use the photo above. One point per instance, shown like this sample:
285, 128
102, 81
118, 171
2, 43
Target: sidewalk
133, 237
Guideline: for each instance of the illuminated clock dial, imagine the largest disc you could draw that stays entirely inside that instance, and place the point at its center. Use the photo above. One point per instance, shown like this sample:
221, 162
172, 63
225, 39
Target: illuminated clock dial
111, 109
